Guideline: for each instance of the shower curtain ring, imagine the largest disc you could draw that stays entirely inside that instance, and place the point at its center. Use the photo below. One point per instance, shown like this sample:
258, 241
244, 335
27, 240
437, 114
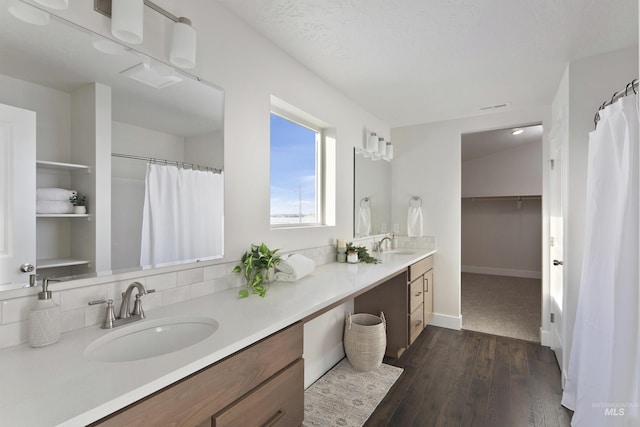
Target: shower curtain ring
613, 97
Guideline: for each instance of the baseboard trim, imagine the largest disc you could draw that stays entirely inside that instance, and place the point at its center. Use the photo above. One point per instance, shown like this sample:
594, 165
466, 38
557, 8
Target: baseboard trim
545, 338
446, 321
529, 274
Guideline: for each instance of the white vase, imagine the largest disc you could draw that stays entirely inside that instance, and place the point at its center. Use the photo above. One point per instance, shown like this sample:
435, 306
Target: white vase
79, 209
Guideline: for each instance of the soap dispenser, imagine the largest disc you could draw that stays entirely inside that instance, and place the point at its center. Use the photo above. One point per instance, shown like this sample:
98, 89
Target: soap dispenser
44, 320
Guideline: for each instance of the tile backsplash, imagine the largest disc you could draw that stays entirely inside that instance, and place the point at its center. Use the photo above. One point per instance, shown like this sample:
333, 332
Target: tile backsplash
171, 287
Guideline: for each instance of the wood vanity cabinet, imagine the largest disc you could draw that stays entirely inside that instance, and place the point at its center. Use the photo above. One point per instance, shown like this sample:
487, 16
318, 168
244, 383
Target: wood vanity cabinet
407, 302
258, 386
421, 285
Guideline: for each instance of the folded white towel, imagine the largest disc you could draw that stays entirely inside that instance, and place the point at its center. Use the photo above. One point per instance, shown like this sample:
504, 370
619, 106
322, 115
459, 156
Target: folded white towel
414, 221
294, 267
60, 194
53, 207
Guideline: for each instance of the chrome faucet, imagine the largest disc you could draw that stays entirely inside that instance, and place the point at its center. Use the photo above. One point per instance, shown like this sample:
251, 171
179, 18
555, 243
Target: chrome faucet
377, 246
126, 315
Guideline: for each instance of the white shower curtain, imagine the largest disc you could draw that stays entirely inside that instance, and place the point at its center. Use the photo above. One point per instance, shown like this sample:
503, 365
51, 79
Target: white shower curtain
603, 372
182, 215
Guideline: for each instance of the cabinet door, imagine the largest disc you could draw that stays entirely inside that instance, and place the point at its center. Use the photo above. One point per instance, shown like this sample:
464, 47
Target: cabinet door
278, 402
428, 297
17, 194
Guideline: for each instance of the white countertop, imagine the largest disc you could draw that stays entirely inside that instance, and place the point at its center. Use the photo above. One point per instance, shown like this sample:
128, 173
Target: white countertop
57, 385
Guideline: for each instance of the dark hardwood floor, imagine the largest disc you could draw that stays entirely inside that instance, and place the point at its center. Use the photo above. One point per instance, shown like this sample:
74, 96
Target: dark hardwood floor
466, 378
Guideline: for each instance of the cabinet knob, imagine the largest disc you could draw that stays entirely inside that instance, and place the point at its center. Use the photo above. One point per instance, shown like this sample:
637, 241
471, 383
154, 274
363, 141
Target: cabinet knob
556, 262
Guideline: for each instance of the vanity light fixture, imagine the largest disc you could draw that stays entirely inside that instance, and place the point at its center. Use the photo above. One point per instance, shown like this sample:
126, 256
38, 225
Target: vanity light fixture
27, 13
517, 131
183, 44
127, 20
54, 4
127, 25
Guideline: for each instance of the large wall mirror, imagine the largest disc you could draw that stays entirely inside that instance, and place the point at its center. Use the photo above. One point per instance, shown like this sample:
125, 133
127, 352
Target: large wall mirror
372, 195
108, 122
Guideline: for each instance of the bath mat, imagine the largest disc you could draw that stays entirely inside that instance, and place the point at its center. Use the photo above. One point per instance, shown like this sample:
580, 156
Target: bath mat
346, 397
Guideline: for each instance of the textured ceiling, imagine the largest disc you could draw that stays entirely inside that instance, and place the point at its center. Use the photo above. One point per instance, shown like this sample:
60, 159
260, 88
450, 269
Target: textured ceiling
414, 61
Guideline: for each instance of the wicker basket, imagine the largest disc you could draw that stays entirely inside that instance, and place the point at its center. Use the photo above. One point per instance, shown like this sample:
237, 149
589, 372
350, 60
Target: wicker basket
365, 340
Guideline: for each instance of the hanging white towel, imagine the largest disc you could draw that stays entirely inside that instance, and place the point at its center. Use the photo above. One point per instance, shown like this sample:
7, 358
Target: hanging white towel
294, 267
181, 216
363, 226
414, 221
604, 363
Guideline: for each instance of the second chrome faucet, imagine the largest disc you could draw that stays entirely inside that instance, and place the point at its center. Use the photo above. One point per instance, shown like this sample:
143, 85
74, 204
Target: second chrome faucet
126, 315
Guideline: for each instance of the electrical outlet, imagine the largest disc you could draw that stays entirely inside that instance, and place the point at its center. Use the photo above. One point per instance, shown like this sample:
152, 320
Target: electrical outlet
396, 228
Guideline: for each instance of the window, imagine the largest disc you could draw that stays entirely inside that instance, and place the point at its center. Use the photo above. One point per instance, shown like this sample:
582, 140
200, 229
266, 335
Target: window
298, 158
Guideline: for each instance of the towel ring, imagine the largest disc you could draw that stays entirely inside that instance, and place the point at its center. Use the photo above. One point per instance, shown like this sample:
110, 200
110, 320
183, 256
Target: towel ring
365, 202
415, 202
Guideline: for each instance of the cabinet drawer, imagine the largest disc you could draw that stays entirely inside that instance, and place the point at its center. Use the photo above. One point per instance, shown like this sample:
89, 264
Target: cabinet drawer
419, 268
207, 392
416, 324
278, 402
415, 294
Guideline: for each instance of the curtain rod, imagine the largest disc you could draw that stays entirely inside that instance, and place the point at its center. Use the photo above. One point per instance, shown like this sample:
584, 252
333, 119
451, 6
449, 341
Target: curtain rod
168, 162
630, 87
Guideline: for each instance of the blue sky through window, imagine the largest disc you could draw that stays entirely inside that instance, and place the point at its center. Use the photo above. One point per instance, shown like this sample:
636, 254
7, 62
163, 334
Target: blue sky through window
293, 172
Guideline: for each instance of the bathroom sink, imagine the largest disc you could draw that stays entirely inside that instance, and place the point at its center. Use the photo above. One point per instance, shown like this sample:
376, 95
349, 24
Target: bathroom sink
150, 338
400, 252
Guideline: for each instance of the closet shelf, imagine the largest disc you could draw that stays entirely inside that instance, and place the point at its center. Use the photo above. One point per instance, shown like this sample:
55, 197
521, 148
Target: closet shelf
72, 167
60, 262
63, 215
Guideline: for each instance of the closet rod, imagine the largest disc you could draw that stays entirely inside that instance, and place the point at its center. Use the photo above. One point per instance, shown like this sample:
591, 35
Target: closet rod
505, 198
167, 162
630, 87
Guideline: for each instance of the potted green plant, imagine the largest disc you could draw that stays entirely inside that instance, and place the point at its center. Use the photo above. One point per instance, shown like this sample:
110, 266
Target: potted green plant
79, 204
363, 253
256, 266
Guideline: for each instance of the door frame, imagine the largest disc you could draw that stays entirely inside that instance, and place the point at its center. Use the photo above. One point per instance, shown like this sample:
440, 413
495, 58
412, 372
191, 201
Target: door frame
546, 122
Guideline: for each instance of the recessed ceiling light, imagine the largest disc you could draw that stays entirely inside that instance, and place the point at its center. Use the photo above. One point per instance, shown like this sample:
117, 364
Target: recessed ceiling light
517, 131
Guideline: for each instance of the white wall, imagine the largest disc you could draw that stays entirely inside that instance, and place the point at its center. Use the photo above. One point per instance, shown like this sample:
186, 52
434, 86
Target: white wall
500, 238
428, 164
514, 172
250, 69
591, 81
53, 118
497, 236
206, 150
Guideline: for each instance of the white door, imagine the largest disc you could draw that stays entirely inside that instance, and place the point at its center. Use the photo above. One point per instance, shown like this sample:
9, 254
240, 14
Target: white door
556, 234
17, 195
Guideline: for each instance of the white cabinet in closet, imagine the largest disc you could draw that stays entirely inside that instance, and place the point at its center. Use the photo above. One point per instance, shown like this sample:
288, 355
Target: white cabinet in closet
54, 231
